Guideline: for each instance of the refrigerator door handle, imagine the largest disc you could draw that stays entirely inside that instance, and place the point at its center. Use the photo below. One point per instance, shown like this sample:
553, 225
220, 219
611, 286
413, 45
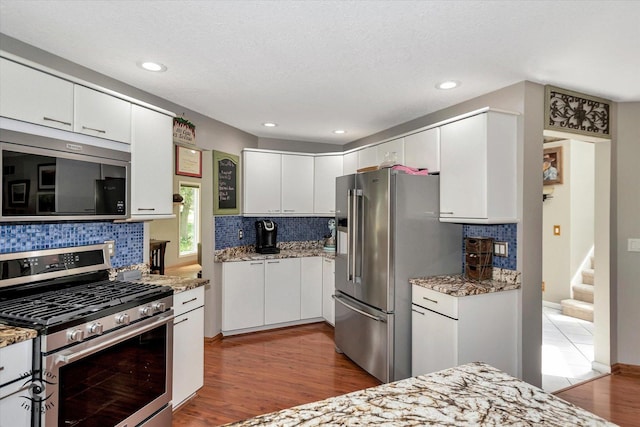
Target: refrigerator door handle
358, 247
349, 234
364, 313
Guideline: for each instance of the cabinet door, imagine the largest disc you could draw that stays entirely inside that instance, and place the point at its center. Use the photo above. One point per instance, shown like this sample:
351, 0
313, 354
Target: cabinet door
388, 148
422, 150
367, 157
328, 289
326, 170
434, 340
151, 163
463, 168
281, 290
297, 184
35, 97
101, 115
242, 295
188, 354
12, 413
310, 287
262, 176
350, 163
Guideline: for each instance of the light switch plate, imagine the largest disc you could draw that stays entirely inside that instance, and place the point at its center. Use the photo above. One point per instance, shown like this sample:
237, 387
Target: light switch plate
111, 247
633, 245
501, 249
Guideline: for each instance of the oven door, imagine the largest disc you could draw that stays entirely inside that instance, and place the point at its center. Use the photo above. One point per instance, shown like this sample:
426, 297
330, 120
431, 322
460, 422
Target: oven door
120, 379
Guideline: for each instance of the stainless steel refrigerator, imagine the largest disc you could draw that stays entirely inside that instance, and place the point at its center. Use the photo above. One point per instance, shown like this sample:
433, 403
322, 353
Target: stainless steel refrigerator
388, 232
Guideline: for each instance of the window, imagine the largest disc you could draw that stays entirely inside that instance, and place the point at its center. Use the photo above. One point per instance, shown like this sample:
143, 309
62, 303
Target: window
189, 218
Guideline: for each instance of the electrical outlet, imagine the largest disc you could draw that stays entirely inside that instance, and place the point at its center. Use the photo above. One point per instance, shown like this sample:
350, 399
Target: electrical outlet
240, 234
111, 247
501, 249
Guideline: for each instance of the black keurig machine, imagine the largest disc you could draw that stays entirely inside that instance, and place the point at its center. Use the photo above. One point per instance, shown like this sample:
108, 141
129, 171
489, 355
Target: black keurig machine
266, 236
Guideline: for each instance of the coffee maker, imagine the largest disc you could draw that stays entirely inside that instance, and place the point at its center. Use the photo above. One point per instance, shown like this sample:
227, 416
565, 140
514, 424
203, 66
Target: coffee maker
266, 236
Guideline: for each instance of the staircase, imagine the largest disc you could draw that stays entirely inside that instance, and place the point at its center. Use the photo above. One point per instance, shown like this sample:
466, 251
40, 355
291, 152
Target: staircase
581, 305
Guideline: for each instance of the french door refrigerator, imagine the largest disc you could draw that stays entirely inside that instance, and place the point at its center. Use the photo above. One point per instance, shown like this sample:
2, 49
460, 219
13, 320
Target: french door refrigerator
388, 232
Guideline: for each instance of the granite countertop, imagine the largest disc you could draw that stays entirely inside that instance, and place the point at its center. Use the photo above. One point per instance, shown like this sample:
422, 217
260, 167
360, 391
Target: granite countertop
460, 286
472, 394
287, 250
12, 335
179, 284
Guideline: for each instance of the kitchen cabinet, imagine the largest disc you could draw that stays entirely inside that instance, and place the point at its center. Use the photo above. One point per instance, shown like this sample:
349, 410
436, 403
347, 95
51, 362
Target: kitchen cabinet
388, 148
326, 170
297, 184
422, 150
101, 115
478, 174
281, 290
311, 287
151, 152
368, 157
243, 291
350, 163
188, 344
34, 96
328, 289
448, 331
15, 365
261, 181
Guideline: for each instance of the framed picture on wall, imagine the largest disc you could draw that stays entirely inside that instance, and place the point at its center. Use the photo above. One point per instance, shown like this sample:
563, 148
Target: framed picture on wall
552, 166
188, 162
19, 193
226, 183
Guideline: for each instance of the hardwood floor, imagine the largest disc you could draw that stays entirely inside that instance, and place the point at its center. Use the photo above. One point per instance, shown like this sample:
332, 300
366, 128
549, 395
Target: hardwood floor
263, 372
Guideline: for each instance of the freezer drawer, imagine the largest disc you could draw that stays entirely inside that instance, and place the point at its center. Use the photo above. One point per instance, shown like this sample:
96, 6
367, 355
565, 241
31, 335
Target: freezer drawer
364, 334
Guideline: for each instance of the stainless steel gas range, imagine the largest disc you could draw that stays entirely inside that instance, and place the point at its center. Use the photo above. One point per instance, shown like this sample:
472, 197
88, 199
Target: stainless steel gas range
103, 355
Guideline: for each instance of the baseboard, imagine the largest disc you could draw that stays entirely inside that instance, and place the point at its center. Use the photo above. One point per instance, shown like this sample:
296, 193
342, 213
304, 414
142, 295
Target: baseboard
213, 339
624, 369
552, 305
601, 367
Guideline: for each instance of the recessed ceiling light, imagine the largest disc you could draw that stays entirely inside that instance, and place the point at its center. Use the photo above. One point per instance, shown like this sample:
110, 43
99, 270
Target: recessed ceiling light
152, 66
449, 84
270, 124
339, 131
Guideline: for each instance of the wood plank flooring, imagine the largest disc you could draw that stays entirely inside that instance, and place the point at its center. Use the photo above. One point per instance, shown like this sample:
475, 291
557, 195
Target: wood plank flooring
263, 372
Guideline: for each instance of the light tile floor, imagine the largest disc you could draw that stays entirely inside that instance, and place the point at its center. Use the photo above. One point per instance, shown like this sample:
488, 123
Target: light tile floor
567, 350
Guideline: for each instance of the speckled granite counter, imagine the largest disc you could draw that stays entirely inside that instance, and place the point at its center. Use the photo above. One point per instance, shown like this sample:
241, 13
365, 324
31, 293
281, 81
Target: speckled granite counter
474, 394
179, 284
287, 250
459, 286
11, 335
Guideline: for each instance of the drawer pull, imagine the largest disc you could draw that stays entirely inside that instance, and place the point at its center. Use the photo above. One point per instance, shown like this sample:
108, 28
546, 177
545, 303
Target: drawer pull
146, 209
256, 263
273, 262
49, 119
188, 301
94, 129
416, 311
183, 320
430, 300
446, 213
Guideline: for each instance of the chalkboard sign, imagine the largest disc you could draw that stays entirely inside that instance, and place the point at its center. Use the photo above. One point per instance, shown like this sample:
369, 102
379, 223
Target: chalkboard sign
226, 184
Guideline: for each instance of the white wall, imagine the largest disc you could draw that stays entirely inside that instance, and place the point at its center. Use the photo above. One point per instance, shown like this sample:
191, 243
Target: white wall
582, 182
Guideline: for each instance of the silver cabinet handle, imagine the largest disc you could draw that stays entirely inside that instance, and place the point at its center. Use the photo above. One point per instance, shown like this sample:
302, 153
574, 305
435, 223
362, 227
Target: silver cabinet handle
181, 321
94, 129
364, 313
328, 260
49, 119
146, 209
430, 300
289, 210
273, 262
188, 301
416, 311
446, 213
256, 263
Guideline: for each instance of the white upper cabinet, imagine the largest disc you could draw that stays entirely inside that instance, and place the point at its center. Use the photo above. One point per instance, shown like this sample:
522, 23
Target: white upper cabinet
389, 148
478, 169
262, 181
422, 150
297, 184
367, 157
35, 97
350, 163
101, 115
326, 170
151, 164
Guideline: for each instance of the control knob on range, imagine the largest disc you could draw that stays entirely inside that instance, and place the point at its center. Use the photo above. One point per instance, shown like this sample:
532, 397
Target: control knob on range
146, 311
159, 307
122, 319
95, 328
75, 335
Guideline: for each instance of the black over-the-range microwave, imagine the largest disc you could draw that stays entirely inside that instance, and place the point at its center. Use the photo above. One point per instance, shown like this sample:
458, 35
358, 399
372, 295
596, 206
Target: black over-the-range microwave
48, 179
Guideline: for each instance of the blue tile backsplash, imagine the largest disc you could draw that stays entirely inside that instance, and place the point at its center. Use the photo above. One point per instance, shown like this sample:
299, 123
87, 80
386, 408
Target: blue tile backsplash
289, 229
28, 237
501, 233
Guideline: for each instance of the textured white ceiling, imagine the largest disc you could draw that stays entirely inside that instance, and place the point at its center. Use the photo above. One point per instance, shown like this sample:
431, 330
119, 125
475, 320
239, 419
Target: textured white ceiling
316, 66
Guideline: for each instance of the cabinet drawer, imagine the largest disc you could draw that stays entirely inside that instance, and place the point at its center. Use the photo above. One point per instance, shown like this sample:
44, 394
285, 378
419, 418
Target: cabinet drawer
435, 301
15, 361
188, 300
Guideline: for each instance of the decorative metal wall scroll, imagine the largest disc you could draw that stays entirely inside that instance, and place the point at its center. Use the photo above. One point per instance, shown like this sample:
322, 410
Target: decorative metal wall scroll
575, 112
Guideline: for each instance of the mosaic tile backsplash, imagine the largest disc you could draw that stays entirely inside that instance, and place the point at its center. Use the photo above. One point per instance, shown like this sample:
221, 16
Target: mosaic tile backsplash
28, 237
289, 229
501, 233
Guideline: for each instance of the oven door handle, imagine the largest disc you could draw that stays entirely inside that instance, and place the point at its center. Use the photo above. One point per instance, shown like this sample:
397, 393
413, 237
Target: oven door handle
70, 358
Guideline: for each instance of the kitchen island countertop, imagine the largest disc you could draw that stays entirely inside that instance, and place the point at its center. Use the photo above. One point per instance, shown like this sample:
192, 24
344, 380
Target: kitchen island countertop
12, 335
460, 286
179, 284
472, 394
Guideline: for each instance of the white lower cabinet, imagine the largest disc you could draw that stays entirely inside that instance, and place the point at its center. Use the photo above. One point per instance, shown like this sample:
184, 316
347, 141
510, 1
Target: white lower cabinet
242, 295
328, 289
311, 287
281, 290
15, 363
188, 344
449, 331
